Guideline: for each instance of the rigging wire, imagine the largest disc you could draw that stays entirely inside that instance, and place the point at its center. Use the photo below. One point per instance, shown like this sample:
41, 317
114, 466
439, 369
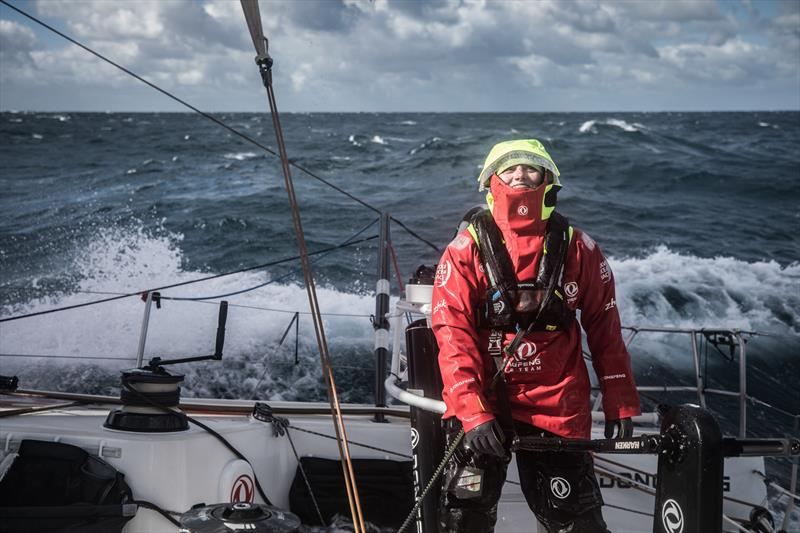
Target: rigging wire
172, 286
214, 119
280, 278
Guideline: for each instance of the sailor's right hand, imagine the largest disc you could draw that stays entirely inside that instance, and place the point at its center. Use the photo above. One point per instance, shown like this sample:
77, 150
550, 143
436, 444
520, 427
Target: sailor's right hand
486, 438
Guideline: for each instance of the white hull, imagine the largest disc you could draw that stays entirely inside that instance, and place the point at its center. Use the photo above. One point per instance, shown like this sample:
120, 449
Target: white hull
179, 470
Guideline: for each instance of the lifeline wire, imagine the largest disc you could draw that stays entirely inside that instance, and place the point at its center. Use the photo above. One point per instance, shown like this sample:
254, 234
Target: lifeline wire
214, 119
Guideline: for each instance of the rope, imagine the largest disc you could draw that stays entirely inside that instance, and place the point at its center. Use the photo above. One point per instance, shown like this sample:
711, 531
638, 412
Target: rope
295, 319
210, 431
163, 512
736, 524
411, 232
181, 284
280, 426
438, 472
214, 119
396, 268
774, 485
367, 446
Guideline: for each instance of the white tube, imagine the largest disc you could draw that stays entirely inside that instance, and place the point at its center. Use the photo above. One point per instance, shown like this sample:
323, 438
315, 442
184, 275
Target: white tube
414, 400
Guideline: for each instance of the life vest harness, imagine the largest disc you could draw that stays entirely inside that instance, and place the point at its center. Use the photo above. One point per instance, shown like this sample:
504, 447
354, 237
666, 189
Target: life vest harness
511, 305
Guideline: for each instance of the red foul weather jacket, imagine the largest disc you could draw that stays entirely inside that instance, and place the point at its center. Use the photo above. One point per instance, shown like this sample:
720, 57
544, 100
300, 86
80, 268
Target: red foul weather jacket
547, 381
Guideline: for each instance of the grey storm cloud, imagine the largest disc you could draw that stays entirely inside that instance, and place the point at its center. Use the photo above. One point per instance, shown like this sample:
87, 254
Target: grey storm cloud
398, 55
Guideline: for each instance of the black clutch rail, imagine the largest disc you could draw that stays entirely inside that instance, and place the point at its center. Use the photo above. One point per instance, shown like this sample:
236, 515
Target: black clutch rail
655, 444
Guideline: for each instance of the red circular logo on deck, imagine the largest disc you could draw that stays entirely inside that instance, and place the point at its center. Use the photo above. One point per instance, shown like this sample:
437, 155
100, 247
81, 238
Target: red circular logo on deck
242, 490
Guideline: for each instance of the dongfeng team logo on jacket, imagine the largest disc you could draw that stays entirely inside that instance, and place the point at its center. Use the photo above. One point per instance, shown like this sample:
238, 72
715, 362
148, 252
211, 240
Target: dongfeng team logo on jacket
526, 359
571, 289
443, 272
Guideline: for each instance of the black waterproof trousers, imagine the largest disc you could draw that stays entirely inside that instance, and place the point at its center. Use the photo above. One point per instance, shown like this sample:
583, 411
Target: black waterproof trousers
560, 488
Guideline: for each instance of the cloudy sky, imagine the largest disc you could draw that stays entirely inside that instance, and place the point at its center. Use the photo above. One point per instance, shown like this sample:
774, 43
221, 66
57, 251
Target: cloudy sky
389, 55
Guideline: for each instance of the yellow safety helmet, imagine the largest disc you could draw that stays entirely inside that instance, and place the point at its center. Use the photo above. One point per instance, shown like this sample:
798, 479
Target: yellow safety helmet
520, 152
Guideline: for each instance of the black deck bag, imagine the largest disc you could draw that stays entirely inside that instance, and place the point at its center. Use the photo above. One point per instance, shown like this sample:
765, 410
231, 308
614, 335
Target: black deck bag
58, 488
385, 488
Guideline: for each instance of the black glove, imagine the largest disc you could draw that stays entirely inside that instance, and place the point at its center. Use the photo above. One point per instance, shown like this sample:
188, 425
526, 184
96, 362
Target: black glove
624, 428
486, 438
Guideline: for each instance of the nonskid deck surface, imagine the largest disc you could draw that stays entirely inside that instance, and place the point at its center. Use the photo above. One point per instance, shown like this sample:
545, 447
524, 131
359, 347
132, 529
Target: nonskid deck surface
178, 470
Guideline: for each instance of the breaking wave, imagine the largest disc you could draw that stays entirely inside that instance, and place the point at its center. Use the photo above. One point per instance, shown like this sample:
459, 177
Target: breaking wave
662, 288
670, 289
591, 126
241, 156
123, 261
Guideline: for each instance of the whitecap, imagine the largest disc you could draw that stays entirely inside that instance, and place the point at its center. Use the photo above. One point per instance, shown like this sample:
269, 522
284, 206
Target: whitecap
131, 171
187, 137
408, 123
15, 120
764, 124
621, 124
37, 136
240, 156
426, 144
587, 127
377, 139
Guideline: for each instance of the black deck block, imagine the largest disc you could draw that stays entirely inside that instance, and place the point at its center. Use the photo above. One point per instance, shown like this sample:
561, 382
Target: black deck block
690, 468
384, 488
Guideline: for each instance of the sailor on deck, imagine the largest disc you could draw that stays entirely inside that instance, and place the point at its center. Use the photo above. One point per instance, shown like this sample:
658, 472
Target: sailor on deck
490, 285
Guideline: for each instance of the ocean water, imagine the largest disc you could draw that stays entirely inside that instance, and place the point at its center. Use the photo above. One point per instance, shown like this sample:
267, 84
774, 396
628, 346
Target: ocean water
698, 214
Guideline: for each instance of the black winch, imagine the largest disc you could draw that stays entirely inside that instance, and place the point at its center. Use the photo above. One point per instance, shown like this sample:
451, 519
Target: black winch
150, 399
151, 395
240, 516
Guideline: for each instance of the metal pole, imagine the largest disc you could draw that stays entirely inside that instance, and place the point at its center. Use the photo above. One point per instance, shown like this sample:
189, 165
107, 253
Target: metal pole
698, 378
380, 322
787, 513
143, 332
742, 387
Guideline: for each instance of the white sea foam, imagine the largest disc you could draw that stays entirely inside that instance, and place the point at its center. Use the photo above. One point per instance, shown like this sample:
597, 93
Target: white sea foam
662, 288
408, 123
127, 261
671, 289
240, 156
377, 139
590, 126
